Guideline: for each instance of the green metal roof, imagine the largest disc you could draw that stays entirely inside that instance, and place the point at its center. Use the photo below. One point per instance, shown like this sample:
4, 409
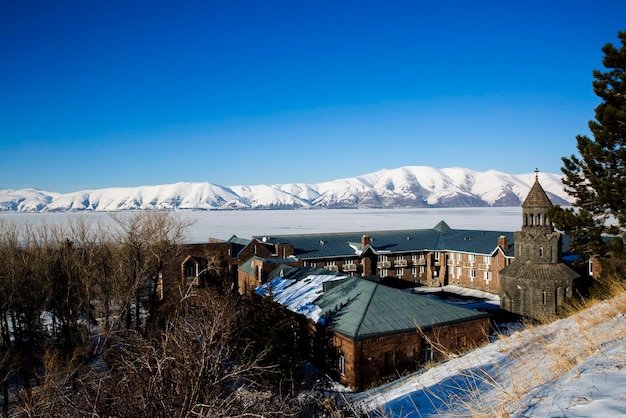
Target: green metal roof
361, 309
348, 244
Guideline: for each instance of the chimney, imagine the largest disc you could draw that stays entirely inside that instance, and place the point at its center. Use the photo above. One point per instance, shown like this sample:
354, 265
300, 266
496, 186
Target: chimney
365, 241
503, 242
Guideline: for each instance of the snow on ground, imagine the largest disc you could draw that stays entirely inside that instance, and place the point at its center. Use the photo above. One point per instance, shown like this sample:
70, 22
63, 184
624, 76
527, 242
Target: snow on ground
469, 298
572, 367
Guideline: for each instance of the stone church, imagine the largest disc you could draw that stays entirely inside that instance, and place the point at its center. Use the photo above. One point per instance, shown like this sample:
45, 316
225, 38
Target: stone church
537, 281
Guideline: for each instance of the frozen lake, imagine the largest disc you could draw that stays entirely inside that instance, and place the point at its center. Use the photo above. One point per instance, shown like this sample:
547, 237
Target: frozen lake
244, 224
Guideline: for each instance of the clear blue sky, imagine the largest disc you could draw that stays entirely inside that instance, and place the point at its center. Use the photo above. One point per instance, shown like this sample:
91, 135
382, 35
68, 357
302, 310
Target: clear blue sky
111, 93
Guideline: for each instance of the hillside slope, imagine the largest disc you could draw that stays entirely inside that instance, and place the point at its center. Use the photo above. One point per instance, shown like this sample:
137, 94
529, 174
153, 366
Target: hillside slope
572, 367
413, 186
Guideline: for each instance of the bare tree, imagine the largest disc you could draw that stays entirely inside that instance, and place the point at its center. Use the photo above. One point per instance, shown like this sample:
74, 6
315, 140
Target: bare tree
148, 241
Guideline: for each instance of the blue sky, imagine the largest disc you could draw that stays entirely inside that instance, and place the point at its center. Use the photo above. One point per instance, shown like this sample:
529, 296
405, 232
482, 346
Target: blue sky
100, 94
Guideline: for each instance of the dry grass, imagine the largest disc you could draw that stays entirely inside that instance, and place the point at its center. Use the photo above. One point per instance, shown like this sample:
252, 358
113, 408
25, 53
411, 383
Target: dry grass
540, 354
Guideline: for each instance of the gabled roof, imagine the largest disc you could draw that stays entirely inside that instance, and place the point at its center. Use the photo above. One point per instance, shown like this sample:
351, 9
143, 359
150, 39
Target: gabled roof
238, 244
248, 265
361, 309
201, 261
241, 241
348, 244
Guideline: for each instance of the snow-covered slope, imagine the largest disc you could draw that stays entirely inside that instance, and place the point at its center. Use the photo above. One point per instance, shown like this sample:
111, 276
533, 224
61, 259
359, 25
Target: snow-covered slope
572, 367
413, 186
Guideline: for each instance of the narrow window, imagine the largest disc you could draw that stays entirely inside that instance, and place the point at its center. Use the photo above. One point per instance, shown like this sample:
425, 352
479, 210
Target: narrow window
427, 353
341, 364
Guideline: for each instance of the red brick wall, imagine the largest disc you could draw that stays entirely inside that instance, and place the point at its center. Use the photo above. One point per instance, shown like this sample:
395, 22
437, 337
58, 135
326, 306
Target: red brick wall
368, 361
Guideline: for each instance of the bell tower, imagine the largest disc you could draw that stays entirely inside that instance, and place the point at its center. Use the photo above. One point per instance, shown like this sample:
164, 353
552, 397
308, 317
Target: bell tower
537, 281
537, 241
535, 210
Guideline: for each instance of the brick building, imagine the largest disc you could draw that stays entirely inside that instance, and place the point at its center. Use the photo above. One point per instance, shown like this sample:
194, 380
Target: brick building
362, 331
430, 257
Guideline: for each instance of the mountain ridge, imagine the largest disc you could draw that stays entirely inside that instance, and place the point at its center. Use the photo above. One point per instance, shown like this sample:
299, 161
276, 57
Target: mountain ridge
404, 187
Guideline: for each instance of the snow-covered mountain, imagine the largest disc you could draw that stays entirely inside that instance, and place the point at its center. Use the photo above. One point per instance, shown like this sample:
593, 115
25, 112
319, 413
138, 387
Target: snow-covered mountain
413, 186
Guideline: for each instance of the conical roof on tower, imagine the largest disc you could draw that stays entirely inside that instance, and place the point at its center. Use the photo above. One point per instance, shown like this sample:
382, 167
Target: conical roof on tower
537, 197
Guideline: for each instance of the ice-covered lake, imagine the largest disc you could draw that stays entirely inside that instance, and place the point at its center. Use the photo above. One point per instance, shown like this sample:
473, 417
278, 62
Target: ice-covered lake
244, 224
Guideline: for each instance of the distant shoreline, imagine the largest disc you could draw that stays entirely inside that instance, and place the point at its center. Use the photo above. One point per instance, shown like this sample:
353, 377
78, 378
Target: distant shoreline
223, 224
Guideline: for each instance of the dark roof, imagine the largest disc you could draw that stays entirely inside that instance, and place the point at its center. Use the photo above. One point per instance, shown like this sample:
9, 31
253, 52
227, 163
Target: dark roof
537, 197
540, 272
241, 241
238, 244
361, 309
348, 244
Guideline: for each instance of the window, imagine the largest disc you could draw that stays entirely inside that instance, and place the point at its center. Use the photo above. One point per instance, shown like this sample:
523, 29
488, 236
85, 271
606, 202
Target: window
461, 342
472, 274
382, 258
341, 364
436, 255
427, 352
487, 276
459, 272
399, 272
487, 260
471, 258
458, 256
414, 271
422, 270
540, 251
544, 297
190, 270
330, 265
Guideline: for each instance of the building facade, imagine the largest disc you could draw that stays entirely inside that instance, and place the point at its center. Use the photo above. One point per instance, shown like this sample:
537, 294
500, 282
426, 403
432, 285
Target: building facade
425, 257
362, 331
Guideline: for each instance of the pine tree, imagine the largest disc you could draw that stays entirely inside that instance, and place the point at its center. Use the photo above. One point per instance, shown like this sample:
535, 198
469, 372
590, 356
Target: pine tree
597, 178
